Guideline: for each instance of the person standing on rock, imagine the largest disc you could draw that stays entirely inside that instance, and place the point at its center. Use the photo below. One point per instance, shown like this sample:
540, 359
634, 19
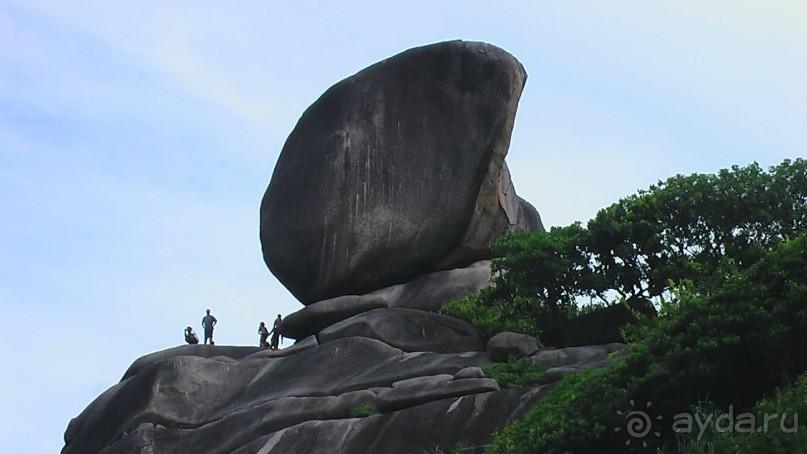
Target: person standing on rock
208, 322
276, 332
264, 332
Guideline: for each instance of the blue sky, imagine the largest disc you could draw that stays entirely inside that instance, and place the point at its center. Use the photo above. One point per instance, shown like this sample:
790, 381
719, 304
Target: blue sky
137, 139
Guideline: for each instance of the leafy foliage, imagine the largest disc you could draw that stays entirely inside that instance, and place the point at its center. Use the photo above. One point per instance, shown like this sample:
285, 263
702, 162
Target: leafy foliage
685, 229
534, 284
781, 433
492, 315
731, 344
579, 415
722, 256
516, 373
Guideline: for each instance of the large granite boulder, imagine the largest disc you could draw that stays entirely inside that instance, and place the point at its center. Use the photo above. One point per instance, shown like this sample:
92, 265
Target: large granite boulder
190, 399
395, 172
410, 330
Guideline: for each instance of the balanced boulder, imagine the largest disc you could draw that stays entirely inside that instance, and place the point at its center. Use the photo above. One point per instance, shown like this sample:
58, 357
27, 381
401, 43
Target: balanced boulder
396, 172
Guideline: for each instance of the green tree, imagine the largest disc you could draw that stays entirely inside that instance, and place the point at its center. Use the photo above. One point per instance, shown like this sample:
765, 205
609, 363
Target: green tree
535, 284
686, 228
724, 258
731, 343
546, 270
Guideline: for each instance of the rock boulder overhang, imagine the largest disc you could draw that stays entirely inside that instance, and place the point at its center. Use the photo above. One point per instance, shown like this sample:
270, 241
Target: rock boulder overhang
395, 172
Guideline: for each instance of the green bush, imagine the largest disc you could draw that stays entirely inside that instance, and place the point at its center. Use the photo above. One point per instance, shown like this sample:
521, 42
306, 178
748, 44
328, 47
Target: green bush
579, 415
783, 432
724, 258
516, 373
686, 228
490, 317
730, 343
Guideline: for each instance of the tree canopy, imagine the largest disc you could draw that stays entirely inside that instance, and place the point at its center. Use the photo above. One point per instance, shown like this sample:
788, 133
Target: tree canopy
724, 259
686, 228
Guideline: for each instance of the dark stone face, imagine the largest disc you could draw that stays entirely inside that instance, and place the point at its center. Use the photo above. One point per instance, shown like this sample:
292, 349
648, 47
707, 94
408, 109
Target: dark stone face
200, 398
410, 330
378, 182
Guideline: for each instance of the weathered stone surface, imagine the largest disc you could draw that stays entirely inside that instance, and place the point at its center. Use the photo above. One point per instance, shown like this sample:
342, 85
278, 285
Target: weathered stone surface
178, 390
315, 317
227, 400
428, 292
468, 419
572, 356
409, 330
304, 344
200, 350
431, 291
470, 372
506, 344
185, 400
496, 196
411, 365
396, 171
554, 374
531, 216
400, 397
421, 381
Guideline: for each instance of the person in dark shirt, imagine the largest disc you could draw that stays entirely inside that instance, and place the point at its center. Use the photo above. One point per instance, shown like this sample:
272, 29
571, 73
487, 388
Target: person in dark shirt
208, 322
276, 332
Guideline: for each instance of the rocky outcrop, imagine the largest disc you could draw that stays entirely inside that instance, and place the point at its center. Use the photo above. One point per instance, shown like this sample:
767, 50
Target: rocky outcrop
395, 172
380, 210
428, 292
353, 394
313, 318
563, 361
444, 420
504, 345
410, 330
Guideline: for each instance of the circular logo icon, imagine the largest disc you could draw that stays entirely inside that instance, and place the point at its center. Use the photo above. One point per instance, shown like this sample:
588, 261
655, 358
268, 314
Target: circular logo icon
638, 424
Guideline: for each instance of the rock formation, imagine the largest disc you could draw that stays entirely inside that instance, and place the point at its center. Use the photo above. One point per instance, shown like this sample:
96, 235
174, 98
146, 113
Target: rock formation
395, 172
353, 394
380, 210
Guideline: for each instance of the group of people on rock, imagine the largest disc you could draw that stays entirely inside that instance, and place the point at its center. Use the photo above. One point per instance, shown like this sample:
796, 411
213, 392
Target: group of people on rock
264, 333
209, 321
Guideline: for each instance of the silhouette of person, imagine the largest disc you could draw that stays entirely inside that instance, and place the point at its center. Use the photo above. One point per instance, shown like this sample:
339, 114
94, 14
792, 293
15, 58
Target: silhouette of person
190, 336
208, 322
264, 332
276, 332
